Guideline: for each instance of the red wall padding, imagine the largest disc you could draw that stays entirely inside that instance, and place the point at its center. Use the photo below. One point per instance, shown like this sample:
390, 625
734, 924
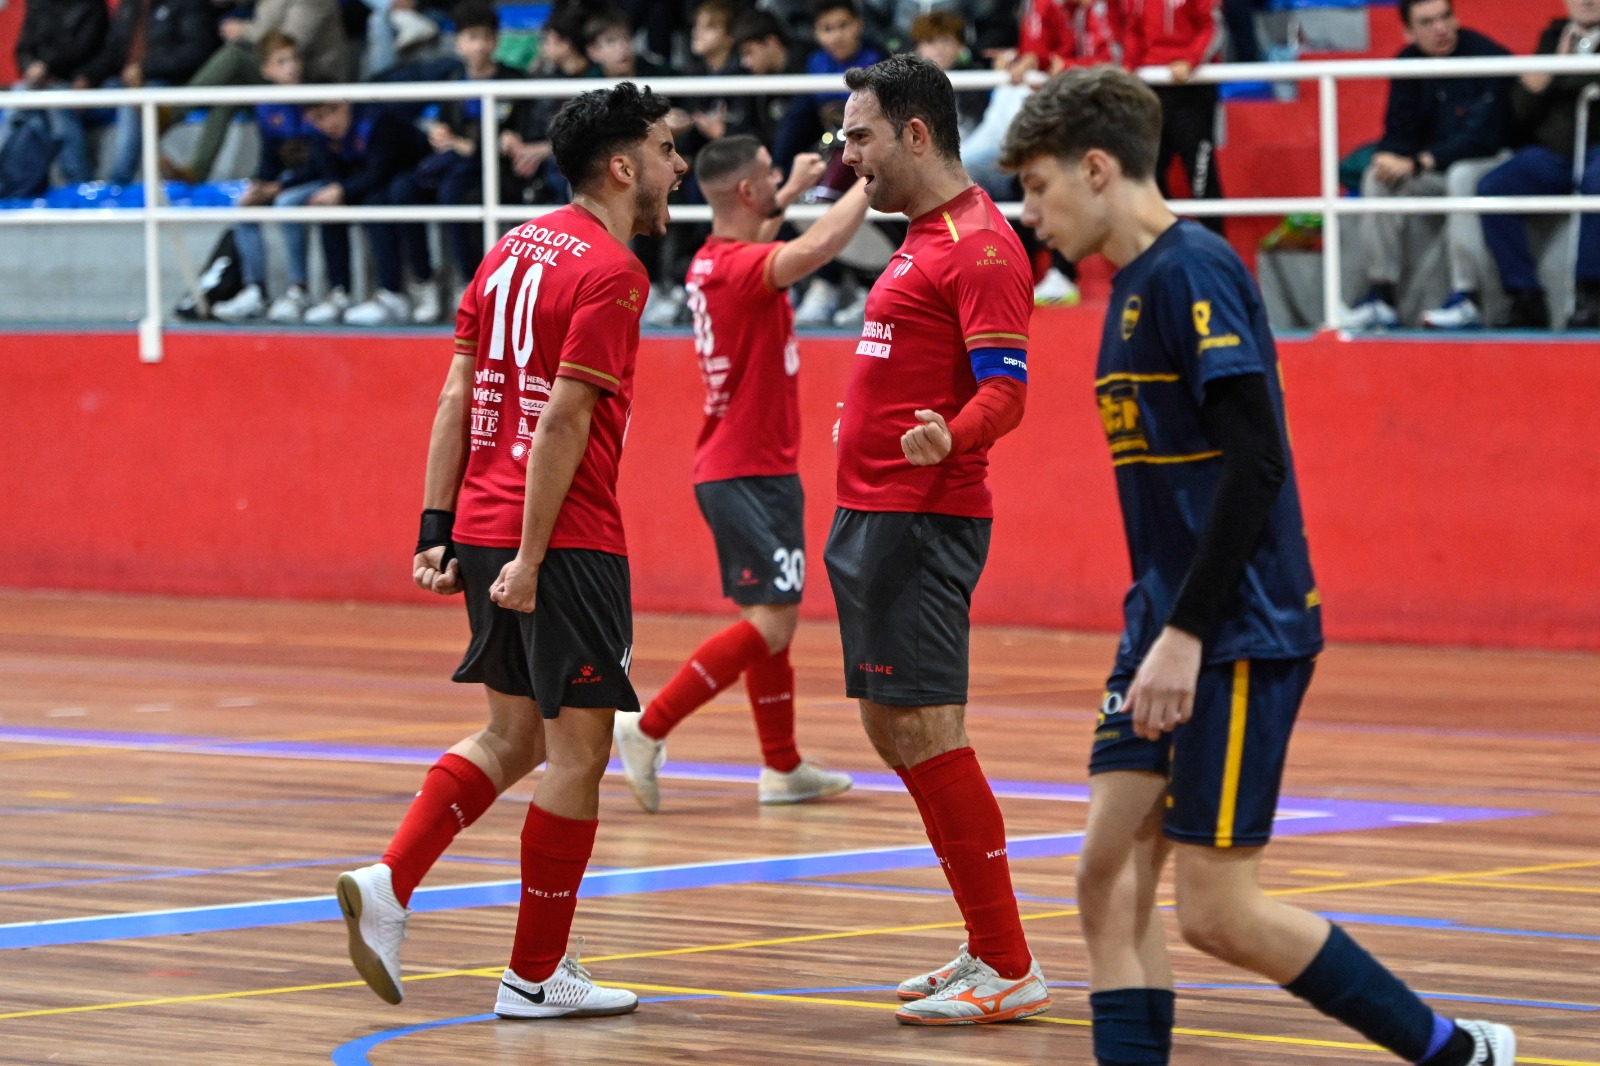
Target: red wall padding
1452, 492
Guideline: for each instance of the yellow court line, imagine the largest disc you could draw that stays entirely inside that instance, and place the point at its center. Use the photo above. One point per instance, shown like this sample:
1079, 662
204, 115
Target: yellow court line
1521, 887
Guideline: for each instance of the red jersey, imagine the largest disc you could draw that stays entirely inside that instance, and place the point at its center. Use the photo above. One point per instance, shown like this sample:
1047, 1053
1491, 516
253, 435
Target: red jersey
558, 297
1078, 33
1161, 32
744, 338
959, 282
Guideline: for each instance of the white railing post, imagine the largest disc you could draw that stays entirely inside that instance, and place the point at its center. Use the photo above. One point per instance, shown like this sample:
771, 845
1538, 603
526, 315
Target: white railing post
1332, 263
150, 340
489, 156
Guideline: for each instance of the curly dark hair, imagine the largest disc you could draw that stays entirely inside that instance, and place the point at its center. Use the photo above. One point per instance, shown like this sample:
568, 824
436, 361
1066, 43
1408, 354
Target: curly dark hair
908, 87
593, 126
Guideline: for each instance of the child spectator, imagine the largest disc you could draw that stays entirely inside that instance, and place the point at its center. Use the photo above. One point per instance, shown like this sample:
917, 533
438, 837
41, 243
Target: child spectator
941, 37
286, 177
151, 43
529, 174
453, 173
363, 152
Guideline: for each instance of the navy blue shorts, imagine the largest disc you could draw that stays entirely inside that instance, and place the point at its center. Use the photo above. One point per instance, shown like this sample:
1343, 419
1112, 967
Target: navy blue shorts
1223, 766
573, 650
759, 525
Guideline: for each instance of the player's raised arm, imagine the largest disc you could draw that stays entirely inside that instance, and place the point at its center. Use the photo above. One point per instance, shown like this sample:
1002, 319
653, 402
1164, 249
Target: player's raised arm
826, 238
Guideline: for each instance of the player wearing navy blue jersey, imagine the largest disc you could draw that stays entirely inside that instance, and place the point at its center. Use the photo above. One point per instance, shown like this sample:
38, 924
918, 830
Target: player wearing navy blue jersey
1223, 619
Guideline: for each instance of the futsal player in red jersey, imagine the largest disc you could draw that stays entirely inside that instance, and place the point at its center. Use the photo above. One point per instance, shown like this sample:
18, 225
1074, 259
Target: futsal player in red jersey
521, 491
746, 473
940, 374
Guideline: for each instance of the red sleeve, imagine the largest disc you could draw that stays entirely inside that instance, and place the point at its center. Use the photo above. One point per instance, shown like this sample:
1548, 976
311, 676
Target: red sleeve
994, 410
993, 290
1044, 33
1203, 20
603, 338
467, 320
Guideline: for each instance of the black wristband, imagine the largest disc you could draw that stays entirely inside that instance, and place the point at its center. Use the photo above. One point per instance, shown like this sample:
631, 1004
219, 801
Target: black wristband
436, 528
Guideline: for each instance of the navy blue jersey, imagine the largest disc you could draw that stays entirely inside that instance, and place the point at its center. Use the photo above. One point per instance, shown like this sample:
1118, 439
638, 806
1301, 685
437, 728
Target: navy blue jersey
1183, 314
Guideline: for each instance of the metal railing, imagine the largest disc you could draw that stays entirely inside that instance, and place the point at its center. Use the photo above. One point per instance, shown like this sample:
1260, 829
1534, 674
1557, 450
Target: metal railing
491, 213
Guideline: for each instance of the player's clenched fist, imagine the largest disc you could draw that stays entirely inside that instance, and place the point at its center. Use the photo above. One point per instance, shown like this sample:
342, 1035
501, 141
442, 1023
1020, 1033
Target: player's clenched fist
432, 574
929, 443
517, 587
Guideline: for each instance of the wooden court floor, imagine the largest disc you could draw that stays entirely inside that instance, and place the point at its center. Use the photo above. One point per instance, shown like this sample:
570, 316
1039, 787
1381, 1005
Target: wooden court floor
180, 781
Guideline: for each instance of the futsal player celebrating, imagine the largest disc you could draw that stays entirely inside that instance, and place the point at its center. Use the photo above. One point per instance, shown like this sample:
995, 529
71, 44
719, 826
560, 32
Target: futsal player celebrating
521, 486
1223, 619
940, 374
746, 473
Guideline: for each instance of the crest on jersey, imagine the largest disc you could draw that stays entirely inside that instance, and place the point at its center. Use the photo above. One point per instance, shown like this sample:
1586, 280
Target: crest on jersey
903, 267
1130, 316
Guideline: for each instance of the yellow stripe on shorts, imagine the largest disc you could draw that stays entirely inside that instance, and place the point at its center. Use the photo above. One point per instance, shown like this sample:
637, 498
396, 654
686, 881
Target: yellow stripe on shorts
1231, 769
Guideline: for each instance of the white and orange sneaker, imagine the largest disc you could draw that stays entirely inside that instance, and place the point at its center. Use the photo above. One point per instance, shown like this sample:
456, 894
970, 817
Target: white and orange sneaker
974, 994
925, 984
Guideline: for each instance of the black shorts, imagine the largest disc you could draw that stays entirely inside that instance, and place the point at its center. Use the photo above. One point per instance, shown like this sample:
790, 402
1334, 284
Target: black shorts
903, 585
574, 650
1224, 766
759, 524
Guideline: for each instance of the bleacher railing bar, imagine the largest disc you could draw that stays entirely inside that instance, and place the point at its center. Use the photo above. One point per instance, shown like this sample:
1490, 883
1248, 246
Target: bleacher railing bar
492, 214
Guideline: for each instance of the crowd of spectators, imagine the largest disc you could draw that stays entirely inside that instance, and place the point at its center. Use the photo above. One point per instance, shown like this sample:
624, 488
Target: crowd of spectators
1441, 136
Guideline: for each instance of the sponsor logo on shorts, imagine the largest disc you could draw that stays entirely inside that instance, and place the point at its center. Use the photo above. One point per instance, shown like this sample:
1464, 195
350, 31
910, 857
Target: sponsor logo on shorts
587, 675
875, 668
747, 578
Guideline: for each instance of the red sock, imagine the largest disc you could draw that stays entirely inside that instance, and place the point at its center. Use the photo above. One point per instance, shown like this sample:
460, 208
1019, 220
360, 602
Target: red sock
555, 852
714, 666
455, 793
770, 683
973, 834
932, 828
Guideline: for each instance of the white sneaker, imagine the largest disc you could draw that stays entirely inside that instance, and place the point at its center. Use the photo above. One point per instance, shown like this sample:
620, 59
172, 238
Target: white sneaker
927, 983
330, 310
642, 757
377, 924
569, 992
384, 309
291, 306
1492, 1044
852, 314
424, 301
1370, 314
804, 782
250, 302
663, 307
818, 305
974, 994
1458, 312
1055, 289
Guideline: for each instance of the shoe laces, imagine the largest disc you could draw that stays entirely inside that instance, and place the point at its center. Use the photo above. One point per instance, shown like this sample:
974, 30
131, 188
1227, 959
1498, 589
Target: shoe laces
965, 974
569, 962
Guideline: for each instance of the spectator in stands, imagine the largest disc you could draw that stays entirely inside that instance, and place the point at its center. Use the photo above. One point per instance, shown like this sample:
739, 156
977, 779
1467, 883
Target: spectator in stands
151, 43
1438, 134
782, 123
58, 41
317, 29
1181, 35
364, 152
608, 40
287, 177
712, 44
1057, 34
841, 44
993, 21
530, 175
1544, 108
941, 38
453, 174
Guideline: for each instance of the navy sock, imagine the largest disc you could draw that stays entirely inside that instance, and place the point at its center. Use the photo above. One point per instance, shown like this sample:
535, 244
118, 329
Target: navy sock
1456, 1049
1132, 1026
1347, 984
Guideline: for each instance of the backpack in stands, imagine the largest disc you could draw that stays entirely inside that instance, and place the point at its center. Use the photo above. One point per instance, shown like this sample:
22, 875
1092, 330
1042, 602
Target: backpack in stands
221, 280
26, 156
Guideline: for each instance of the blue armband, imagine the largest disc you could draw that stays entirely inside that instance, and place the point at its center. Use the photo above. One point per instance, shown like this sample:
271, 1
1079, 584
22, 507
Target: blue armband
999, 362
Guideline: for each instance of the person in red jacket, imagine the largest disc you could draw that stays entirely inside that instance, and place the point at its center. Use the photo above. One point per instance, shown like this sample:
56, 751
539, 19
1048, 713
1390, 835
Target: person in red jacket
1180, 35
1057, 34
